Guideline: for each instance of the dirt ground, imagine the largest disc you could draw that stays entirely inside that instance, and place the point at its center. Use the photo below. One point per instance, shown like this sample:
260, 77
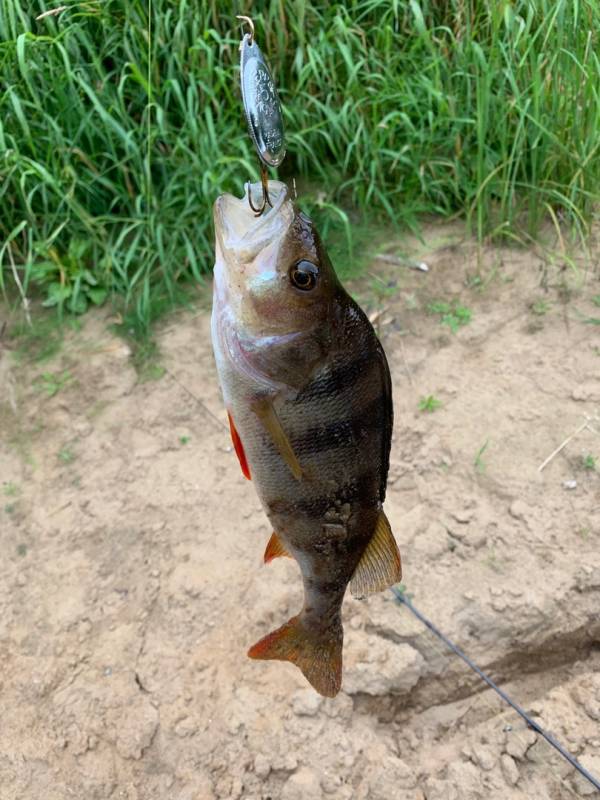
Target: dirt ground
131, 582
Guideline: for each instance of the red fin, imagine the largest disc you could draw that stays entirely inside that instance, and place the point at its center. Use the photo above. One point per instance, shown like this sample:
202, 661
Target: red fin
275, 548
317, 654
239, 448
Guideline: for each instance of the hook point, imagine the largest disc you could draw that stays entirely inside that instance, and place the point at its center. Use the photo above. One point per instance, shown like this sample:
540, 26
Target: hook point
249, 23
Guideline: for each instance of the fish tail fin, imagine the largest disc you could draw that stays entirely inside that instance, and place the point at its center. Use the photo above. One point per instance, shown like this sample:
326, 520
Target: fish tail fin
318, 654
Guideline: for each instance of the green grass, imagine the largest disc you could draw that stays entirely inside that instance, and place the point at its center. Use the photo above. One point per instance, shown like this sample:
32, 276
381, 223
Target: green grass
588, 462
451, 314
118, 130
66, 455
540, 307
429, 403
51, 383
478, 461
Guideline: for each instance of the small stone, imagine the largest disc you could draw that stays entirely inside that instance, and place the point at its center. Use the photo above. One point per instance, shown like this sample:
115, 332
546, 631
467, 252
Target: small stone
262, 767
476, 536
433, 542
223, 787
386, 777
580, 393
21, 579
387, 668
537, 753
356, 622
587, 578
290, 762
302, 785
82, 428
306, 702
185, 727
437, 789
499, 604
331, 784
137, 728
582, 785
463, 516
341, 707
572, 484
237, 788
483, 757
510, 771
518, 509
519, 742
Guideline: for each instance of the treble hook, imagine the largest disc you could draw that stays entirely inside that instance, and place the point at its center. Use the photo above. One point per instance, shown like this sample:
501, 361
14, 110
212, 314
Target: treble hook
264, 181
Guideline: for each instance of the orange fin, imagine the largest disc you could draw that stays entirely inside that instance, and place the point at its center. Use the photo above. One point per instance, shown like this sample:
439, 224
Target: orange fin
317, 655
380, 565
275, 548
263, 408
239, 448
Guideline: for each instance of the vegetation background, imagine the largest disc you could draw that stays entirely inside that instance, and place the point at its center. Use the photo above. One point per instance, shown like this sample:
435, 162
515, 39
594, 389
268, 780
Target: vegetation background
120, 122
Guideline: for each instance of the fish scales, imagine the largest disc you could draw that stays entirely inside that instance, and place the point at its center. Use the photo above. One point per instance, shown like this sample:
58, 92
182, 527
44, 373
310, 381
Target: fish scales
307, 386
332, 438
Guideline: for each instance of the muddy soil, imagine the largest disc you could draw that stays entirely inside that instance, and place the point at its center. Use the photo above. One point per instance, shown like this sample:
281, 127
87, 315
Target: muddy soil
131, 582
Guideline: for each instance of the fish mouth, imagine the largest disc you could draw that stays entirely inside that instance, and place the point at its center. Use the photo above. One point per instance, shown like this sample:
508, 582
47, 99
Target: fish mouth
240, 229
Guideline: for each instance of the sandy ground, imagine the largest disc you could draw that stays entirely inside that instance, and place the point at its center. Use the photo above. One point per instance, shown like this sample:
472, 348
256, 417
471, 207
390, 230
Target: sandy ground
131, 581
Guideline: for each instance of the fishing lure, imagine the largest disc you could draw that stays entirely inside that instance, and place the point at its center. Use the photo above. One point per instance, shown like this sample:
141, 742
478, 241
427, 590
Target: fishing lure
263, 111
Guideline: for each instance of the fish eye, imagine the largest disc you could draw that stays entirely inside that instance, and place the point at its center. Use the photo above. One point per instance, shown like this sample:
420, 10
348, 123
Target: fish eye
303, 275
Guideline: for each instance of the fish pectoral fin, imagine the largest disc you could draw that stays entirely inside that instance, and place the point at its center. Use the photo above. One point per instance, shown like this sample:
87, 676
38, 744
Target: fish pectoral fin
318, 654
380, 565
239, 448
275, 548
263, 408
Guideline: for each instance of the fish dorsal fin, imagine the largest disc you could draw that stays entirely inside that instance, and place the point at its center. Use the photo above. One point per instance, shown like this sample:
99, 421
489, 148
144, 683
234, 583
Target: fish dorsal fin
264, 410
239, 448
380, 564
275, 549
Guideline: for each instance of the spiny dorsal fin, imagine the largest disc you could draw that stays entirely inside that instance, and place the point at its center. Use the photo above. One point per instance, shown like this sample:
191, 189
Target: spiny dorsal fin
380, 564
275, 549
264, 410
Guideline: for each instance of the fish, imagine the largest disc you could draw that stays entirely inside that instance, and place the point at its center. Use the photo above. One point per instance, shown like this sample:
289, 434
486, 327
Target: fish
307, 390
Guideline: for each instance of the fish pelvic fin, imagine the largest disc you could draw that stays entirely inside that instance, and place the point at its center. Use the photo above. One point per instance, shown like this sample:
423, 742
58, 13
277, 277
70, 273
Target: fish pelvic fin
275, 548
380, 565
317, 654
263, 408
239, 448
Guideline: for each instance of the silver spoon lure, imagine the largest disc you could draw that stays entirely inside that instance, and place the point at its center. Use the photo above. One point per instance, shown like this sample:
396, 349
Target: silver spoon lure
263, 111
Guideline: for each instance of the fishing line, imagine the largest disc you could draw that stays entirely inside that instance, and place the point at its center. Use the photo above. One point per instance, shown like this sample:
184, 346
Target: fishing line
401, 598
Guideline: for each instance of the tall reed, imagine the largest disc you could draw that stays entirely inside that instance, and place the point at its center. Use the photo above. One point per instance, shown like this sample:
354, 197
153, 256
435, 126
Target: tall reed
118, 128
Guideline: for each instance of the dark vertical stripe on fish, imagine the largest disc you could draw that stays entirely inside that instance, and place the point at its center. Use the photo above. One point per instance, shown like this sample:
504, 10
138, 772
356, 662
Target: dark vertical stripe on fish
340, 376
362, 490
366, 421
